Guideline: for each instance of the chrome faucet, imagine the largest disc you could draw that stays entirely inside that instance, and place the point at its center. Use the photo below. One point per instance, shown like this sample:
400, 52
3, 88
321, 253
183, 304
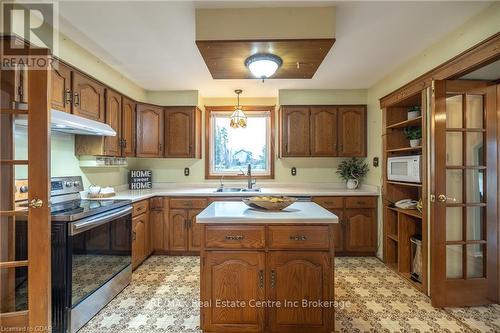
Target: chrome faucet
251, 182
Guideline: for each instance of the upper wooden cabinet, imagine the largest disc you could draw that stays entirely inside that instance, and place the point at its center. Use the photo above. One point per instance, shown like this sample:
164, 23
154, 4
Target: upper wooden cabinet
149, 131
295, 129
113, 119
128, 127
323, 131
352, 130
88, 98
60, 93
182, 132
14, 87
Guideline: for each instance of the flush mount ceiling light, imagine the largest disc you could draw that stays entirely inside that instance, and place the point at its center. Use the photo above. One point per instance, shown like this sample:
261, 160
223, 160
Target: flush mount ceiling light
238, 118
263, 65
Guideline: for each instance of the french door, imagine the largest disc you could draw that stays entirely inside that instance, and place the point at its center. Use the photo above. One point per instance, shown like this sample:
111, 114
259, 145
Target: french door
25, 286
464, 218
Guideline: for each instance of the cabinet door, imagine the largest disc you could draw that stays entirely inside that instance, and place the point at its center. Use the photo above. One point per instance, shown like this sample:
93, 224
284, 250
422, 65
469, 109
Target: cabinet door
178, 220
295, 131
233, 276
149, 131
113, 119
338, 230
88, 98
296, 276
128, 127
179, 132
360, 230
352, 131
323, 131
60, 93
156, 224
194, 230
138, 240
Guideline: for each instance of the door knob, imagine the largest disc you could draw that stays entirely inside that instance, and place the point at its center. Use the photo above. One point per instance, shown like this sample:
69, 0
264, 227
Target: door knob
442, 198
36, 203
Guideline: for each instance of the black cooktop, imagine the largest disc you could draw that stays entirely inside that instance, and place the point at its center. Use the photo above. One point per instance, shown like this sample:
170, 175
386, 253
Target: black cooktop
80, 208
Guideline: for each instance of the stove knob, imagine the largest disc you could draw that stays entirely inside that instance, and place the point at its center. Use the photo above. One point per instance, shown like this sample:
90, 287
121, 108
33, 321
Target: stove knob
76, 183
68, 184
23, 189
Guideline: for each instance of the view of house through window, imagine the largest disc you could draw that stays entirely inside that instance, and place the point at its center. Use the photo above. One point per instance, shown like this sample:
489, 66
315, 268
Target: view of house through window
232, 149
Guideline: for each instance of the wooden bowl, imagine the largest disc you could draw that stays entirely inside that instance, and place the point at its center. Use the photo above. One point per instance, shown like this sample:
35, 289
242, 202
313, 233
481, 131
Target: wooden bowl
272, 203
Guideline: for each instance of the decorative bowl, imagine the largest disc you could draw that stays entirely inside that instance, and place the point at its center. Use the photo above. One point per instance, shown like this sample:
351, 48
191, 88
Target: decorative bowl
273, 203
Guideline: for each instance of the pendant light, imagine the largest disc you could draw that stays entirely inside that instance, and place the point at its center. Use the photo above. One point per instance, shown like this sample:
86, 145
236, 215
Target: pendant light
263, 65
238, 118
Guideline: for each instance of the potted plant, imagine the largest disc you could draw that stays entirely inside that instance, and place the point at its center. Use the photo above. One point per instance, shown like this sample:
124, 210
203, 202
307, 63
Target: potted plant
414, 134
352, 171
413, 112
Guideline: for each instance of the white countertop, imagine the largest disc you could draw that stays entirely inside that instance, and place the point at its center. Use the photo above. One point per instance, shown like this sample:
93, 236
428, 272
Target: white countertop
237, 212
208, 190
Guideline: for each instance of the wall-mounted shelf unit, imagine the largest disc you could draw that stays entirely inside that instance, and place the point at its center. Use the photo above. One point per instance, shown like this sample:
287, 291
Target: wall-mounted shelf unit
401, 224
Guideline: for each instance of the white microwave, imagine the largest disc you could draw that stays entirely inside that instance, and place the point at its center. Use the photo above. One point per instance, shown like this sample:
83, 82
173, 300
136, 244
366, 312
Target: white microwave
405, 168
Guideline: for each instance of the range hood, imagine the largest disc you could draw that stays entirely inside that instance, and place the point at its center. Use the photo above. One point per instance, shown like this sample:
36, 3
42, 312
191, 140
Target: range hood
69, 123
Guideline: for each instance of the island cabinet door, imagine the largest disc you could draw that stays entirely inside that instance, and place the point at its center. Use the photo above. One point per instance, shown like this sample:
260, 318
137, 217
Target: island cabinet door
178, 230
234, 282
294, 277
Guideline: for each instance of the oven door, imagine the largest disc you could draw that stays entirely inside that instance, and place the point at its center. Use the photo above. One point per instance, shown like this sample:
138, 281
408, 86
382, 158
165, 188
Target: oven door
100, 250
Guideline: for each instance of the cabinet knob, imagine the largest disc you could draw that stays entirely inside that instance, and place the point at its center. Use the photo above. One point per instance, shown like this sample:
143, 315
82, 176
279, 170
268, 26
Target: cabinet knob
273, 278
67, 96
76, 99
261, 279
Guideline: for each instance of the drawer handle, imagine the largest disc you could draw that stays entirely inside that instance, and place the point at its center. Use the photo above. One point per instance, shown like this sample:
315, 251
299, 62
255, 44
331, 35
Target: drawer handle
235, 237
261, 279
298, 238
273, 278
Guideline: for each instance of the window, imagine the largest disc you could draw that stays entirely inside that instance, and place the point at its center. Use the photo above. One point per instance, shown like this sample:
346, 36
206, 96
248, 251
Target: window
230, 150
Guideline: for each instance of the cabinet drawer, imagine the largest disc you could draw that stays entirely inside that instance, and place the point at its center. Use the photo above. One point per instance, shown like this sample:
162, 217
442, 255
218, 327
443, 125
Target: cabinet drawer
299, 237
235, 237
188, 203
329, 202
140, 207
361, 202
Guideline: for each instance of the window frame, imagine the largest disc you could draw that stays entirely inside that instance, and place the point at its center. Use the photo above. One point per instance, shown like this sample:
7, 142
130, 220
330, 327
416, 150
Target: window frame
208, 139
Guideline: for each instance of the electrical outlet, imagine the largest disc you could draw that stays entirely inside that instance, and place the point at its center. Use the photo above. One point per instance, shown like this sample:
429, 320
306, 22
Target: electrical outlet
375, 162
186, 171
294, 171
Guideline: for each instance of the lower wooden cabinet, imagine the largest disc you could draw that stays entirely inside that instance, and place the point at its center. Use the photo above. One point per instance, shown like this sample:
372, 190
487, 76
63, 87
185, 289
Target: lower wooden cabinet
158, 219
242, 276
141, 233
356, 232
295, 277
360, 230
184, 232
261, 288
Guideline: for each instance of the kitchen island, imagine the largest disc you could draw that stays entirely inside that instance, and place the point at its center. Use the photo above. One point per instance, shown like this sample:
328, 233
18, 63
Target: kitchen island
267, 271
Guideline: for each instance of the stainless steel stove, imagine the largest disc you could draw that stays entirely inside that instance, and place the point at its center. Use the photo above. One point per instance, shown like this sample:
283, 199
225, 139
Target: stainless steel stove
91, 253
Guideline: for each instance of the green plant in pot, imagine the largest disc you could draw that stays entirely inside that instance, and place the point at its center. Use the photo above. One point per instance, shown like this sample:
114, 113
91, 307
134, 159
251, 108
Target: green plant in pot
414, 134
352, 171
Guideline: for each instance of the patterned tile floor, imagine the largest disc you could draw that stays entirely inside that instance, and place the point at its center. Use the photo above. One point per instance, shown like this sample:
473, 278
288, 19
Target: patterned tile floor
164, 292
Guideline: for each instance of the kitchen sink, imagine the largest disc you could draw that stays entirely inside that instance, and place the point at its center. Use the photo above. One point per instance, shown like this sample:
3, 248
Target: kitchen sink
236, 189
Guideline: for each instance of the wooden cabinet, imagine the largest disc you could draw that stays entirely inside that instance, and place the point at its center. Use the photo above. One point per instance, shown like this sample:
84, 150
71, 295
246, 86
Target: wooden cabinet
182, 132
323, 131
60, 92
239, 277
14, 87
356, 232
141, 233
149, 131
185, 233
158, 218
295, 131
360, 230
88, 97
128, 127
297, 277
267, 264
352, 131
112, 144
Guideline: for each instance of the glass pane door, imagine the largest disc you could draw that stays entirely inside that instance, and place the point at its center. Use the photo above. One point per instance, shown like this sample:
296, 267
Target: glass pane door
464, 212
